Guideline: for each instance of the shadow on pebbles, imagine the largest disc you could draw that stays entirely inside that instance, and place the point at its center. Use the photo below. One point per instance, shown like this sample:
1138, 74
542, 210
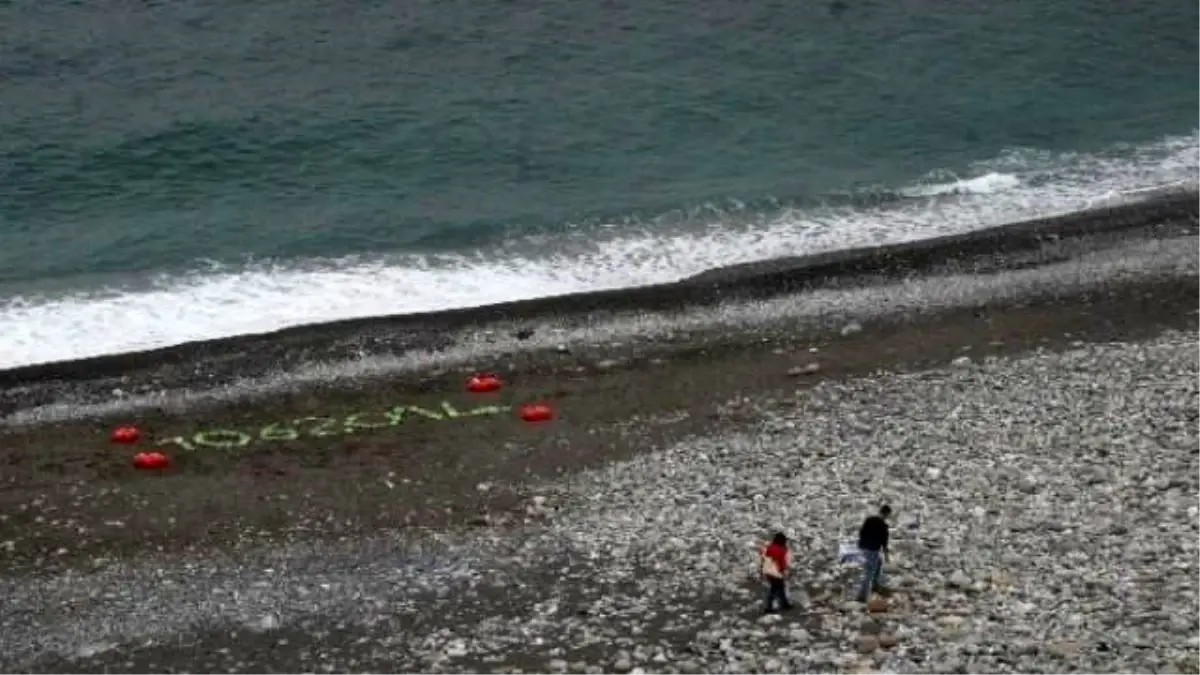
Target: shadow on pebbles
1046, 520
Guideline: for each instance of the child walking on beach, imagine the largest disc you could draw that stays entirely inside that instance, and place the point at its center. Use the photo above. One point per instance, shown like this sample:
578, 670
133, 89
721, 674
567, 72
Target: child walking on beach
774, 569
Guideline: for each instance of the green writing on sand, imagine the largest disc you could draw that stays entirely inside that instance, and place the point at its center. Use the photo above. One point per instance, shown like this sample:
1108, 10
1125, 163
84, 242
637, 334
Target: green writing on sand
322, 427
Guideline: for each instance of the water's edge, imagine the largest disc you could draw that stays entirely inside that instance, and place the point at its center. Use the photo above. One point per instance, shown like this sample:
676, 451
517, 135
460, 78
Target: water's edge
1179, 212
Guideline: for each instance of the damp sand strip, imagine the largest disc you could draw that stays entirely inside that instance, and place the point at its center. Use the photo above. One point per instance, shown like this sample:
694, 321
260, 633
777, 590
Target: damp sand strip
71, 496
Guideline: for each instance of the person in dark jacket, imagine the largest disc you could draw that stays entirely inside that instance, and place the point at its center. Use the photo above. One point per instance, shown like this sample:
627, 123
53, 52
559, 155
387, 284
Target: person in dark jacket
774, 568
873, 542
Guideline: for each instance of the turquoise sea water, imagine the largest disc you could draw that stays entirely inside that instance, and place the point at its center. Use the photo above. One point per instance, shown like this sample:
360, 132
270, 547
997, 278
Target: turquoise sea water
209, 168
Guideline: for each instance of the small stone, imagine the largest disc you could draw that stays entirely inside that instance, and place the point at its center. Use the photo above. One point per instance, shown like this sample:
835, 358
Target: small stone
961, 362
887, 641
877, 605
808, 369
558, 665
851, 328
89, 650
869, 626
1064, 650
267, 622
959, 579
951, 622
866, 644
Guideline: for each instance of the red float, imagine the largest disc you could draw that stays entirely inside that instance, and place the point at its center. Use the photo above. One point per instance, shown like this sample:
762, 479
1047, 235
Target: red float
483, 383
535, 412
126, 434
151, 461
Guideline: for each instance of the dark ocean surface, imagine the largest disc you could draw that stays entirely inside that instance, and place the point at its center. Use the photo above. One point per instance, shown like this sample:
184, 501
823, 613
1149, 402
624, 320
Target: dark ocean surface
188, 170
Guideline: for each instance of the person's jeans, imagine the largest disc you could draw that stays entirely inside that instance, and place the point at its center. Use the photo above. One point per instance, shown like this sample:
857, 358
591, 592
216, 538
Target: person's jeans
872, 574
777, 590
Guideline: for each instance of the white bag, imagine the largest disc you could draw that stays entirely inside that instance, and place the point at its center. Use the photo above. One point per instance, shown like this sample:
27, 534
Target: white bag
849, 553
770, 569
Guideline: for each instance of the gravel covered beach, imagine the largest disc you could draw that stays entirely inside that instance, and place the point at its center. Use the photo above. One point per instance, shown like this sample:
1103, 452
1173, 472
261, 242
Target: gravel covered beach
1047, 521
1034, 426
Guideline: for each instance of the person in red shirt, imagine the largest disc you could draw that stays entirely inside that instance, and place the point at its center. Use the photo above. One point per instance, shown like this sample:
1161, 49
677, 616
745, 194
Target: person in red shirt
774, 568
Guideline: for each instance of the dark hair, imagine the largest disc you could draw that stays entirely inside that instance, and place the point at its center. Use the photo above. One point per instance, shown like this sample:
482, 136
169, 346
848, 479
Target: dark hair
885, 510
779, 538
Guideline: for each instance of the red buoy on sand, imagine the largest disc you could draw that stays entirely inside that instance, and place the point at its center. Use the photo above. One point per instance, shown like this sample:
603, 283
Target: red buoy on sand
126, 434
483, 383
535, 412
151, 461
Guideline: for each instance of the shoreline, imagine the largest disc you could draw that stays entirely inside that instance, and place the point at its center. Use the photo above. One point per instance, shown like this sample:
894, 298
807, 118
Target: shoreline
426, 354
568, 351
1172, 214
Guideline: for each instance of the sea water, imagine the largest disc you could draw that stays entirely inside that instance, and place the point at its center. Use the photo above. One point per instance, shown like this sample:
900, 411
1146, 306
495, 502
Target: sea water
173, 171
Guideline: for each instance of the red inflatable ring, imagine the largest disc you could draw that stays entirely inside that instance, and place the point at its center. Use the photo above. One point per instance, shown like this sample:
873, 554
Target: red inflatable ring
483, 383
535, 412
126, 434
151, 461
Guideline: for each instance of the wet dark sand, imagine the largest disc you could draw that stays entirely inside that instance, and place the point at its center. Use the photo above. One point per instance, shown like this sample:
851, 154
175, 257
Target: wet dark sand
60, 477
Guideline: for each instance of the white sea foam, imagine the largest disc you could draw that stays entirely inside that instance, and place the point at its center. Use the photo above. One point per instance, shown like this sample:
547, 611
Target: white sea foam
989, 183
223, 302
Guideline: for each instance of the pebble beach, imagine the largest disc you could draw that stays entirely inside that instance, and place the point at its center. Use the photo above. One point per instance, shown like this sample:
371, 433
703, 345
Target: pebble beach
1046, 521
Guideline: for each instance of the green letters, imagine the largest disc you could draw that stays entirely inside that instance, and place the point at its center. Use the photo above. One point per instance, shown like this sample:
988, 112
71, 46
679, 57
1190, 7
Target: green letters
324, 427
225, 439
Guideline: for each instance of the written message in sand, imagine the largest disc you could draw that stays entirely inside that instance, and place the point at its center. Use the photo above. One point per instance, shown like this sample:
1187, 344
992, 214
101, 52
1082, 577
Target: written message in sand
307, 428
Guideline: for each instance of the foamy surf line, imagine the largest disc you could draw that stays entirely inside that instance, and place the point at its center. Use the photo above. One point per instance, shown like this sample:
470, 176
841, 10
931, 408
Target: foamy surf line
1139, 261
760, 276
103, 317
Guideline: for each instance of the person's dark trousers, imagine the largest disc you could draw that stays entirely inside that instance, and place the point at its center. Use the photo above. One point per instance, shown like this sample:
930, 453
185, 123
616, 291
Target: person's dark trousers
872, 574
777, 590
